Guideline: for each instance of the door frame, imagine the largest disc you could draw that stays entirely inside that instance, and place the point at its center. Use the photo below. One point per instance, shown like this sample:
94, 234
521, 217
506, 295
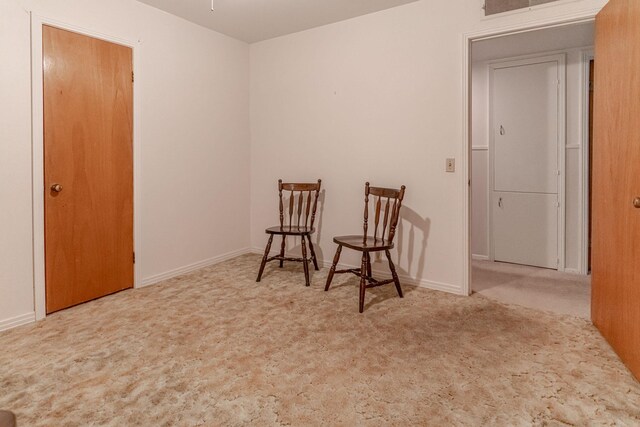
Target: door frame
465, 143
37, 148
561, 59
587, 56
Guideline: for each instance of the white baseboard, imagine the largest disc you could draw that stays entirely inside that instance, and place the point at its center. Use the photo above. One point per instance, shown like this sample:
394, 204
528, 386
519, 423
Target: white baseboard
404, 279
433, 285
191, 267
573, 271
14, 322
480, 257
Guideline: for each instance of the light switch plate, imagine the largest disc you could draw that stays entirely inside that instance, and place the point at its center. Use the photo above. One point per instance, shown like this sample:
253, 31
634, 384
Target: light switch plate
451, 165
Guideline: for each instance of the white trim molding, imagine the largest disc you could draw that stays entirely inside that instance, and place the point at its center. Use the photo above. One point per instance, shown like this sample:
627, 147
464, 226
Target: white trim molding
37, 144
152, 280
14, 322
476, 257
526, 9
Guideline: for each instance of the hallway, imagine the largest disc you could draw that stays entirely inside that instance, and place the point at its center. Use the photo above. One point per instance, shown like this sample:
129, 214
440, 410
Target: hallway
533, 287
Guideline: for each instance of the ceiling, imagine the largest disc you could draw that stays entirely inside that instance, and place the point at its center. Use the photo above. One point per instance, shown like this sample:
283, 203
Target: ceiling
546, 40
256, 20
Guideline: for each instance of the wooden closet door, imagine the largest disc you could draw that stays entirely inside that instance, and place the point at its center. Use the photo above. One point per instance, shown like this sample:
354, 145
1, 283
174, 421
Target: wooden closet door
616, 180
88, 167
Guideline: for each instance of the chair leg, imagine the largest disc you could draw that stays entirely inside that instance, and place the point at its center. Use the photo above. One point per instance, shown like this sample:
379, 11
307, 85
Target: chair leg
305, 262
264, 258
363, 280
394, 274
332, 271
368, 264
282, 250
313, 254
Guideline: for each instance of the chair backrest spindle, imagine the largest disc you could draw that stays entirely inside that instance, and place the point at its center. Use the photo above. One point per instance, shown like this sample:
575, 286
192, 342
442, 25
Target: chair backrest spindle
366, 212
300, 200
391, 211
306, 214
291, 197
375, 233
299, 210
386, 216
281, 206
315, 205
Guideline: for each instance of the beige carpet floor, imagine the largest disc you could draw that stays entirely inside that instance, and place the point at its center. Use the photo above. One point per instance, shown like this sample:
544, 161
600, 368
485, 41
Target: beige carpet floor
215, 348
538, 288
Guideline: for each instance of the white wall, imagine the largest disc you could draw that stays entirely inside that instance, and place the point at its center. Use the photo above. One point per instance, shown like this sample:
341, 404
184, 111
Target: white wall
376, 98
16, 269
193, 120
573, 170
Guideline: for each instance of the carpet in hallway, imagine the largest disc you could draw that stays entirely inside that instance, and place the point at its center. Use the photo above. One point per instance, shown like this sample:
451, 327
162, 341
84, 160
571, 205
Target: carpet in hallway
539, 288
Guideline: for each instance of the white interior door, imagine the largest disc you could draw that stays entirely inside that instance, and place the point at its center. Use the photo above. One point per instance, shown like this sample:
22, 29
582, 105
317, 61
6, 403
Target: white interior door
526, 230
525, 159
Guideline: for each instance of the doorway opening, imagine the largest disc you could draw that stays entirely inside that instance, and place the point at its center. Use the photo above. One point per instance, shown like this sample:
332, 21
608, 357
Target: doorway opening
529, 133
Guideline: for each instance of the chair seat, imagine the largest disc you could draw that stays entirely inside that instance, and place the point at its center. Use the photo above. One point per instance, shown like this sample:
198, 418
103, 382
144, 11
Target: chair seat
289, 230
355, 242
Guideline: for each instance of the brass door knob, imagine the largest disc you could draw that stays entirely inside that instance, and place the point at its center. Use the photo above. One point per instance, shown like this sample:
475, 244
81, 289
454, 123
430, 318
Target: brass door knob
636, 202
56, 188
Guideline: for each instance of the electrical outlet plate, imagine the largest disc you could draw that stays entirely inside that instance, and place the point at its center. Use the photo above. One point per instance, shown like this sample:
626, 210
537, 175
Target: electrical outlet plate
451, 165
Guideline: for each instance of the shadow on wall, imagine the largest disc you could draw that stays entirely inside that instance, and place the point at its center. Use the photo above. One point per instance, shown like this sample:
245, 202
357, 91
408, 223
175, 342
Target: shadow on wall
418, 229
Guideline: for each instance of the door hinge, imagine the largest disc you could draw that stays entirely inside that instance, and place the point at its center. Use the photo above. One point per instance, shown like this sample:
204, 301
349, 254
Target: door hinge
132, 79
134, 257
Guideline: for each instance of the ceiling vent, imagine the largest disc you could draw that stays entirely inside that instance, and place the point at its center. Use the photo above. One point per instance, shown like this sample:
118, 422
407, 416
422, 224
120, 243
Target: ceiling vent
491, 7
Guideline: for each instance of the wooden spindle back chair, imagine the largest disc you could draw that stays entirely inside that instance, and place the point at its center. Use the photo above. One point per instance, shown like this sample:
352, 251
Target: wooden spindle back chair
386, 203
297, 220
392, 200
300, 212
